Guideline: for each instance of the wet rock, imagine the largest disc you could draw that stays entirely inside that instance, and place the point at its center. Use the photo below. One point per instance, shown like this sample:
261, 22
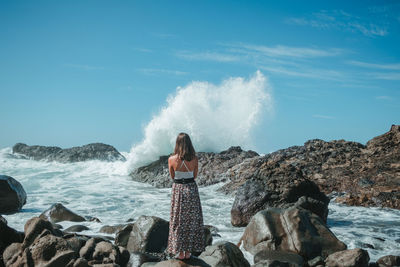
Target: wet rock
34, 227
218, 167
8, 236
148, 234
58, 213
12, 195
348, 258
388, 261
278, 258
108, 229
81, 262
95, 151
224, 254
178, 263
281, 187
316, 261
77, 228
122, 236
292, 230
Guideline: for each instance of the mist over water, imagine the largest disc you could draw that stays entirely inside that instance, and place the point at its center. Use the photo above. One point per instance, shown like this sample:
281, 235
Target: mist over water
215, 116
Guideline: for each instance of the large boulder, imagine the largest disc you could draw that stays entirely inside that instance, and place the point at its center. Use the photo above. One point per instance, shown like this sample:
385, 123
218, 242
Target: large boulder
368, 174
8, 236
58, 213
388, 261
95, 151
213, 168
223, 254
12, 195
280, 187
148, 234
278, 258
294, 230
348, 258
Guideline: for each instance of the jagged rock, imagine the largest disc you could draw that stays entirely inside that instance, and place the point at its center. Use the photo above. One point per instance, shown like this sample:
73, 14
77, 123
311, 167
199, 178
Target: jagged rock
292, 230
12, 195
224, 254
273, 257
316, 261
35, 227
282, 186
348, 258
58, 213
148, 234
76, 228
388, 261
122, 236
95, 151
218, 166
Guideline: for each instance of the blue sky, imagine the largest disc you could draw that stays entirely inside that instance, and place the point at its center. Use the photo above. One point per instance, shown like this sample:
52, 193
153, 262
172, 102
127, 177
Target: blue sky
76, 72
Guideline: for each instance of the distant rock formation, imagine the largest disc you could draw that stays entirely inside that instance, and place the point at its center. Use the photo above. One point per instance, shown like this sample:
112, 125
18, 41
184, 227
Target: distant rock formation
95, 151
12, 195
368, 175
213, 167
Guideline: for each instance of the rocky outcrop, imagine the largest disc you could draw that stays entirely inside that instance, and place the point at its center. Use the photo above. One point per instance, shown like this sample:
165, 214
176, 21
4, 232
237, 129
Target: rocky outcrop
95, 151
293, 230
45, 246
12, 195
348, 258
213, 168
58, 213
277, 186
369, 174
8, 236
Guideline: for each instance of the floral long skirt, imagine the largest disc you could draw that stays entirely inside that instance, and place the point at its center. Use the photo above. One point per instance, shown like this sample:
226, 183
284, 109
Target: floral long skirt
186, 230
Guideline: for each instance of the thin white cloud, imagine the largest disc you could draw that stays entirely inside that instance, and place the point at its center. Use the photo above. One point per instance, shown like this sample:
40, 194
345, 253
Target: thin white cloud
325, 117
394, 76
395, 66
306, 72
83, 67
151, 71
208, 56
341, 20
383, 97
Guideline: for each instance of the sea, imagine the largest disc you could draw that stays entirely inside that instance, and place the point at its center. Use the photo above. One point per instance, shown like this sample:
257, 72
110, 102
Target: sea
105, 190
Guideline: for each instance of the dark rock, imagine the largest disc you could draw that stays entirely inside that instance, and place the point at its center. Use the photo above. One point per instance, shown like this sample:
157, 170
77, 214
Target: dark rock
148, 234
195, 262
281, 187
214, 230
34, 227
224, 254
12, 195
124, 256
122, 236
388, 261
107, 229
87, 250
208, 236
316, 261
218, 167
95, 151
292, 230
348, 258
283, 257
77, 228
58, 213
8, 236
81, 262
366, 245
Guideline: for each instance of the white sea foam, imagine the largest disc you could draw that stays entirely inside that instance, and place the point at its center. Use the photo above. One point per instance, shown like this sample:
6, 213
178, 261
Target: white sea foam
215, 116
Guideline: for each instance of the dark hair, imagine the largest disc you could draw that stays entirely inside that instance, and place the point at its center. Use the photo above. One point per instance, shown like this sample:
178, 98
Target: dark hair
184, 148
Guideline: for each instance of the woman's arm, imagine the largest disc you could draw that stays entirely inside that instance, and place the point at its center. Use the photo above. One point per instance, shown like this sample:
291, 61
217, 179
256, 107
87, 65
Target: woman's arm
196, 167
171, 168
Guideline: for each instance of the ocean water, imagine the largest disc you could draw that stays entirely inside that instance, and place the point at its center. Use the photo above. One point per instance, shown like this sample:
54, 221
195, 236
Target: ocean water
103, 190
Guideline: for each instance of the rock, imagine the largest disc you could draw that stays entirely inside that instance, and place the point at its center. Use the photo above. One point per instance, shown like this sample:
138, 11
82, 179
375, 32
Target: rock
107, 229
280, 187
124, 256
214, 230
224, 254
8, 236
293, 230
195, 262
148, 234
95, 151
34, 227
369, 174
87, 250
348, 258
12, 195
281, 257
316, 261
58, 213
15, 256
122, 236
106, 250
388, 261
218, 167
81, 262
77, 228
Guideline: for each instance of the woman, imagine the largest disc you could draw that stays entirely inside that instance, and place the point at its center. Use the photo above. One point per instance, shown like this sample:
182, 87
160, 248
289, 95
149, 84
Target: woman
186, 231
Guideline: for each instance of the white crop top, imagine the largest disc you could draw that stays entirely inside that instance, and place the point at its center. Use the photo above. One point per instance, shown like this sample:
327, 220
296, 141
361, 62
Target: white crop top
184, 175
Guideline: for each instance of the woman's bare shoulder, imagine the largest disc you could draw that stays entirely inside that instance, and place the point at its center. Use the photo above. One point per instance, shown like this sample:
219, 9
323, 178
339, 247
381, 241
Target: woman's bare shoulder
172, 158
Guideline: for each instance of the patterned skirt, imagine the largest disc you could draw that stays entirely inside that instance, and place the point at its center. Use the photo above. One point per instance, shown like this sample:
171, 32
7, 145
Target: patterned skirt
186, 230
